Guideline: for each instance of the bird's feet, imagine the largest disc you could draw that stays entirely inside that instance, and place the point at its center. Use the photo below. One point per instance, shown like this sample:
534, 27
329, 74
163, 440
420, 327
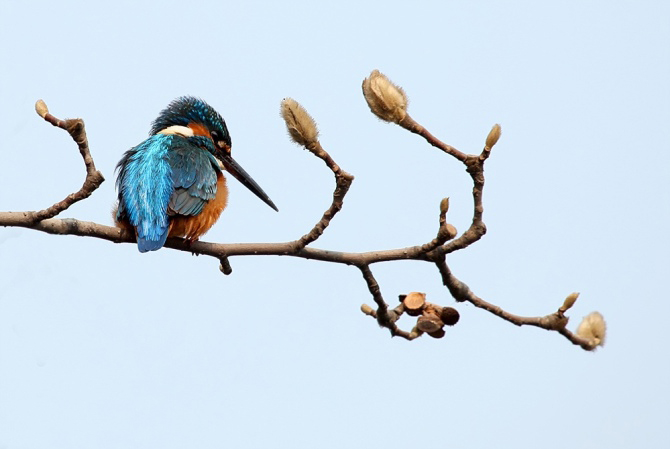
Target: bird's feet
189, 243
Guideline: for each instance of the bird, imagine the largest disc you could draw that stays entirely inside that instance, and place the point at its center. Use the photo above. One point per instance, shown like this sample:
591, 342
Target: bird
173, 183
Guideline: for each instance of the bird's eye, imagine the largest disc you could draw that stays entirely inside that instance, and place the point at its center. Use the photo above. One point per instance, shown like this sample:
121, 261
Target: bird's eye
215, 136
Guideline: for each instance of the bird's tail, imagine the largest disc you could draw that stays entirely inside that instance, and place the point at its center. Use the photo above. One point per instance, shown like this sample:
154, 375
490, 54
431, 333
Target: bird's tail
144, 244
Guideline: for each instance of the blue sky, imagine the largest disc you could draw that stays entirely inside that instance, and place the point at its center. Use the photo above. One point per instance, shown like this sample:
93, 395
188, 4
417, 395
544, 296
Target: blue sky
103, 347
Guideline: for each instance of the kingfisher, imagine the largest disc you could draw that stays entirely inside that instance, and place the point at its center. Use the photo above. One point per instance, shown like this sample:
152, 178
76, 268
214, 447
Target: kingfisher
172, 184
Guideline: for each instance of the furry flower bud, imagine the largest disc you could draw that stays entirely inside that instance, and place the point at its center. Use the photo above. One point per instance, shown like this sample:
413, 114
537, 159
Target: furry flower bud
593, 328
301, 126
386, 100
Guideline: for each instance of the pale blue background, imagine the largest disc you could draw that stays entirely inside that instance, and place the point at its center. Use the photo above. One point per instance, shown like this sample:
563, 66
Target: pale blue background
101, 347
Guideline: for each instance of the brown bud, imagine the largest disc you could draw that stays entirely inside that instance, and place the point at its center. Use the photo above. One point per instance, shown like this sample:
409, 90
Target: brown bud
300, 125
366, 309
444, 205
493, 136
451, 231
449, 316
41, 108
414, 303
386, 100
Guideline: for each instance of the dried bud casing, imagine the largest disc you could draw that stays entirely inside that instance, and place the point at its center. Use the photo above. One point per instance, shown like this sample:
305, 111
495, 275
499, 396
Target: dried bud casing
438, 333
41, 108
386, 100
493, 136
593, 328
429, 323
414, 303
300, 125
449, 316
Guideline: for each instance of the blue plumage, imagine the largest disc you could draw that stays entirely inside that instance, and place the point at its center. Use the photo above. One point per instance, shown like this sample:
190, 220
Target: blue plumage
194, 176
163, 176
170, 185
145, 188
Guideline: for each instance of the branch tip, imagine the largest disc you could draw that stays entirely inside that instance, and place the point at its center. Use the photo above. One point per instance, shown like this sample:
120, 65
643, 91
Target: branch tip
41, 108
225, 267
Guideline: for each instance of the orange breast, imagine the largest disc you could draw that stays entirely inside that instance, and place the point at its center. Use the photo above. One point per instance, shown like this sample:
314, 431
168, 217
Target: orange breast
192, 227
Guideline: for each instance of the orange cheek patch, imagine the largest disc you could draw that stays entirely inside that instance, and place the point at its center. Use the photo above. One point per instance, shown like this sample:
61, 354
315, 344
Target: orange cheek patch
199, 129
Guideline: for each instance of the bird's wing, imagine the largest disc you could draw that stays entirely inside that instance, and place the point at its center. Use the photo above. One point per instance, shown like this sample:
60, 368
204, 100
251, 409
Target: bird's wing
194, 177
162, 176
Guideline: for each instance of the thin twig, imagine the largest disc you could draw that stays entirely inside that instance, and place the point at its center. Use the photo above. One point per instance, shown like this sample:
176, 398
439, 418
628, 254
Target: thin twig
554, 322
385, 318
76, 129
475, 167
343, 181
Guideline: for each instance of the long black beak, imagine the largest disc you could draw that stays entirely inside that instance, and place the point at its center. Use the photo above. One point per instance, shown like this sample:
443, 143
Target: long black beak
241, 175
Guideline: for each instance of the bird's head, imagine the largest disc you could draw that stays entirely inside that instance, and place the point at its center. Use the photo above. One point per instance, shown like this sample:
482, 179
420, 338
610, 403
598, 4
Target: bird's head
193, 118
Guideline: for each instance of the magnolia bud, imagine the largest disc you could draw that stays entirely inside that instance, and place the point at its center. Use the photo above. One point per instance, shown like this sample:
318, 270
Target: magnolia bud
386, 100
444, 205
301, 126
366, 309
593, 328
569, 302
493, 136
451, 231
41, 108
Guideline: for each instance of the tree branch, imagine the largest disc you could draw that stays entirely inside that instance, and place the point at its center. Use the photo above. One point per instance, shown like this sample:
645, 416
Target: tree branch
389, 103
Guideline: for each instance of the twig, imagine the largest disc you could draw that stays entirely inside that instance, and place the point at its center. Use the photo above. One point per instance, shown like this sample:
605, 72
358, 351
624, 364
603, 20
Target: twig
475, 167
385, 317
76, 129
553, 322
343, 181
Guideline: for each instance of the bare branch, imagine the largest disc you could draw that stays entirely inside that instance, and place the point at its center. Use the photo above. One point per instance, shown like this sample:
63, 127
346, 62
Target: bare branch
74, 127
303, 131
411, 125
343, 181
556, 321
388, 102
385, 317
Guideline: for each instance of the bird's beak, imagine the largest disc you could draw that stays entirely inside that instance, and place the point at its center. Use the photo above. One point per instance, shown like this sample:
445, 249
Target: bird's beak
241, 175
